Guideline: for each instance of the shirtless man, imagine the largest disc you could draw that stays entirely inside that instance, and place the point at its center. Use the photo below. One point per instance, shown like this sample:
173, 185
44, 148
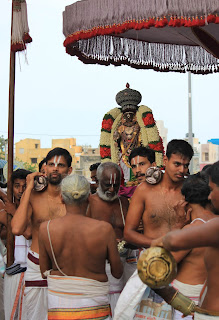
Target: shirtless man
14, 275
93, 176
205, 235
191, 272
140, 159
81, 253
106, 205
39, 207
155, 204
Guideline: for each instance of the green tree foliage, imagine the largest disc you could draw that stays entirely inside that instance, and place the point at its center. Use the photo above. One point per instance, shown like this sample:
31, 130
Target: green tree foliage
30, 167
3, 141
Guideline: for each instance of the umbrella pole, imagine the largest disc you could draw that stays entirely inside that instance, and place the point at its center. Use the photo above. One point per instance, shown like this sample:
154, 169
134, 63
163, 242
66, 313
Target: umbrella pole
190, 137
10, 237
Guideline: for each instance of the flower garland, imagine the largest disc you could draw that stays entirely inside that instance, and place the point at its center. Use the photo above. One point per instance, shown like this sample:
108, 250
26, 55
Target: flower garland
105, 137
149, 133
114, 147
109, 151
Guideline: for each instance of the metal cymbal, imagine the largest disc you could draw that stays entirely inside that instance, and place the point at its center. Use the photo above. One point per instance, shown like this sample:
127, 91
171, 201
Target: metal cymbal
157, 267
40, 183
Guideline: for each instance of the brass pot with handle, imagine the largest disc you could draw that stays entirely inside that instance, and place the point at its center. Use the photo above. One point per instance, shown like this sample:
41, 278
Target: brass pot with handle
157, 267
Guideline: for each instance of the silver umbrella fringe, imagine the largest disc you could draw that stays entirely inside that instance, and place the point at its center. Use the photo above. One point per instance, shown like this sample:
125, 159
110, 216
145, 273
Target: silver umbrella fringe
140, 54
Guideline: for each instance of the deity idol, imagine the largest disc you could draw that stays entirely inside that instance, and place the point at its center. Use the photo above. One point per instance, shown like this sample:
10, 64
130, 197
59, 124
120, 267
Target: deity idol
126, 128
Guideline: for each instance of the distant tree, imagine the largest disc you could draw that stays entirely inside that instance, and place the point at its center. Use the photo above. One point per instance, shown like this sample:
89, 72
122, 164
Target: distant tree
3, 141
31, 167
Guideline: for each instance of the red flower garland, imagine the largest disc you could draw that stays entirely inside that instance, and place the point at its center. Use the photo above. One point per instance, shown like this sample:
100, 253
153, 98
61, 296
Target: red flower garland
107, 124
105, 152
148, 120
157, 146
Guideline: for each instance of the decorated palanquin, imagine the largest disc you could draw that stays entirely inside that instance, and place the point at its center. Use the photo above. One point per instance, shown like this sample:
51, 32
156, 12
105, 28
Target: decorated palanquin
126, 128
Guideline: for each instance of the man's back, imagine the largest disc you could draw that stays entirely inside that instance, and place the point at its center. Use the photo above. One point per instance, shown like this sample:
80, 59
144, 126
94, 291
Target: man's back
191, 269
87, 244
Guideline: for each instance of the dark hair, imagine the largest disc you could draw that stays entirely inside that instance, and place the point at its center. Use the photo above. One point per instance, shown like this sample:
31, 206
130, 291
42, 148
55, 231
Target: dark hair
94, 166
3, 185
19, 174
213, 173
205, 170
143, 152
181, 147
60, 152
41, 163
196, 189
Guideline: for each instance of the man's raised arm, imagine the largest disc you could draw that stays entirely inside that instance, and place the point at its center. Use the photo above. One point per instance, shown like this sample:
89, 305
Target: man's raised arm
23, 213
133, 218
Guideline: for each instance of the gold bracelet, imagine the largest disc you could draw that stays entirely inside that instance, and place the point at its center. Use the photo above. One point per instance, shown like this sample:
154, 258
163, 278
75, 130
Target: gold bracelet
173, 297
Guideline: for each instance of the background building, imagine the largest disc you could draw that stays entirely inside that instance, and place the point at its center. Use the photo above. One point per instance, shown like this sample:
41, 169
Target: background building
88, 156
29, 151
163, 132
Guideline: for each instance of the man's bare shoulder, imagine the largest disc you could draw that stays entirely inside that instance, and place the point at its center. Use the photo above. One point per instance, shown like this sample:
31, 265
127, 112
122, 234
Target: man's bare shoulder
146, 187
200, 221
124, 200
43, 229
36, 195
94, 198
104, 226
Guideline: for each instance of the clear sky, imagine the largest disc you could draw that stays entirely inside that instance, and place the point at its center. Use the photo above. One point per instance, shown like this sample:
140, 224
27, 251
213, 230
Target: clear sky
57, 96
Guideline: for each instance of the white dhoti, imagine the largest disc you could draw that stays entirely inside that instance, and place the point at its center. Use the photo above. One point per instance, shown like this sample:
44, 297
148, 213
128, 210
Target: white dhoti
14, 296
77, 298
200, 316
138, 301
130, 265
129, 298
14, 301
115, 287
190, 291
36, 297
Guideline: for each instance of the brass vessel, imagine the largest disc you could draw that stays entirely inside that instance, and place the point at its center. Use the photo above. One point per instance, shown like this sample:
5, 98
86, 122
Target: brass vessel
157, 267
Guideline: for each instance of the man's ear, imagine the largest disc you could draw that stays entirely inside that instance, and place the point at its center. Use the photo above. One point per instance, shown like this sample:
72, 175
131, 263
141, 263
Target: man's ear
165, 160
69, 170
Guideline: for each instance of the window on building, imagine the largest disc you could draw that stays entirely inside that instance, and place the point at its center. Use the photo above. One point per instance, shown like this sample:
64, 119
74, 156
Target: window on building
93, 151
36, 145
21, 150
206, 156
33, 160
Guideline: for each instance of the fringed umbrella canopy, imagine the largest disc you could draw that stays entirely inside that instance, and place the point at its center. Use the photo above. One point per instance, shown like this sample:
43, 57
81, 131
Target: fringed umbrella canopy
20, 29
164, 35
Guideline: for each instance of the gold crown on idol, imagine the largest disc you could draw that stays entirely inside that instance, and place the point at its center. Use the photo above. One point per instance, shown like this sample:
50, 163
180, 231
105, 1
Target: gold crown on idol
128, 97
